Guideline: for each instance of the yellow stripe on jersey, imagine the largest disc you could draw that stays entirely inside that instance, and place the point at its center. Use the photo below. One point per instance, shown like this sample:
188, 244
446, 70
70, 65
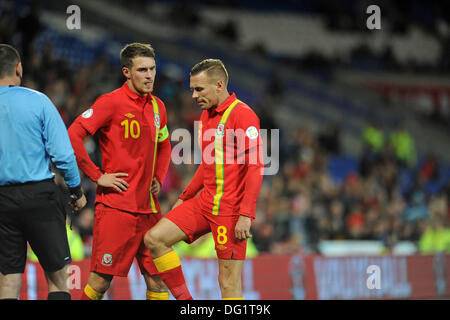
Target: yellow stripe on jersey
219, 158
157, 125
163, 134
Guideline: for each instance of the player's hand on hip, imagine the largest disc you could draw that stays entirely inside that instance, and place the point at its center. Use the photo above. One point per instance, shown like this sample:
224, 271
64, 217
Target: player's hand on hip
79, 204
113, 180
242, 229
156, 186
179, 201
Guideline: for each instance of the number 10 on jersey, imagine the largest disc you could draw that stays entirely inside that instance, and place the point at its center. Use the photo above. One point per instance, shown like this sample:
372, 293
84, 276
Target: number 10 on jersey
131, 128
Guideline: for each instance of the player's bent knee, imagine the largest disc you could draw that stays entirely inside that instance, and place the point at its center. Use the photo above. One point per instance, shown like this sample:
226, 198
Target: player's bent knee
151, 240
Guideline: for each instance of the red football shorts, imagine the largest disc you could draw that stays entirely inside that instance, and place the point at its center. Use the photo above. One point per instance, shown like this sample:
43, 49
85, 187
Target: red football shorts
118, 239
195, 221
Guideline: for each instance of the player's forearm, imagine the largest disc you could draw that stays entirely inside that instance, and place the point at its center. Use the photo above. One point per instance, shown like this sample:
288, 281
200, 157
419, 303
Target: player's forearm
251, 191
77, 134
163, 160
194, 186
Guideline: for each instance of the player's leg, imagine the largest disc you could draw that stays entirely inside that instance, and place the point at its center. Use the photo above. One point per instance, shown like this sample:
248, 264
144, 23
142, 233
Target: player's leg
230, 274
182, 223
230, 253
156, 289
10, 285
13, 241
98, 284
115, 244
45, 230
13, 248
57, 284
159, 240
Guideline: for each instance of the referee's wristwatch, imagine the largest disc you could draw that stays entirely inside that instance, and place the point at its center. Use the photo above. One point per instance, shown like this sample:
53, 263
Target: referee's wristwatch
75, 193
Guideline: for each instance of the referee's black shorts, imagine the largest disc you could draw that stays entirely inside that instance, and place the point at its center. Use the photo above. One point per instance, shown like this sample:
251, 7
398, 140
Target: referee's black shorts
33, 212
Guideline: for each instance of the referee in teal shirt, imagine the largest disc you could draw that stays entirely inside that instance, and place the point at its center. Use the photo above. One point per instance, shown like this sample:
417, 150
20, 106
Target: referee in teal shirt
32, 135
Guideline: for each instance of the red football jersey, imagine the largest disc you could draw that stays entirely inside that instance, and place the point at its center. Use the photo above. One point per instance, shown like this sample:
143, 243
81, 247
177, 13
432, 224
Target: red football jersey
231, 170
132, 132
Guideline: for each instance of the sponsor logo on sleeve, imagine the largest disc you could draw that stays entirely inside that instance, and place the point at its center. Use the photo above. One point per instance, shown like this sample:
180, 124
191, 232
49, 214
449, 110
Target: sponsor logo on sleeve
88, 113
252, 132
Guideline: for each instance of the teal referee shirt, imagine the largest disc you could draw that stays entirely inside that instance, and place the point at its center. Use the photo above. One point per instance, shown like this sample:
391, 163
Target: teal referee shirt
32, 134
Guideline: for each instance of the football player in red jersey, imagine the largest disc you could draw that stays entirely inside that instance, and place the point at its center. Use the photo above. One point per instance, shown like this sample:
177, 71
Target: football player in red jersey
131, 124
229, 177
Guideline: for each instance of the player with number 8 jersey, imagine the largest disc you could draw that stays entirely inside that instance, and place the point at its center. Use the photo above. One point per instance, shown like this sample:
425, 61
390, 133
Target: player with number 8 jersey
228, 182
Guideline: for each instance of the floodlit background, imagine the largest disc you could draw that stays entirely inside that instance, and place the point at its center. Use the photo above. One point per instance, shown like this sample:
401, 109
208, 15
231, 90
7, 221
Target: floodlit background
362, 149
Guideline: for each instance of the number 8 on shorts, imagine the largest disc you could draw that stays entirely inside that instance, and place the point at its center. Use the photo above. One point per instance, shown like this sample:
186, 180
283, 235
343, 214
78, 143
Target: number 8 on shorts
222, 235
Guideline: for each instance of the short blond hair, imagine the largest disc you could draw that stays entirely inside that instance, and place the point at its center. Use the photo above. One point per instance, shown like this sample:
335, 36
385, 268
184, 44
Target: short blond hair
214, 69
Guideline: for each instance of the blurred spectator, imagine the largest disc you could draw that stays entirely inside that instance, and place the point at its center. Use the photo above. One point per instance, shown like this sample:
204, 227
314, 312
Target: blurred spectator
356, 225
29, 26
228, 31
185, 14
84, 223
417, 209
275, 86
435, 238
7, 26
373, 137
337, 225
329, 140
404, 146
373, 141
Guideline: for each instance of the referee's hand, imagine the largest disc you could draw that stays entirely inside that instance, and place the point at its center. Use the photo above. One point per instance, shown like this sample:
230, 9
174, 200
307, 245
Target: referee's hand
113, 180
78, 204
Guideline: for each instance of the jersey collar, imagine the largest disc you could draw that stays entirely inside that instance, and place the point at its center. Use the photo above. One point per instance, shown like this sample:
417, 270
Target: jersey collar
133, 95
226, 103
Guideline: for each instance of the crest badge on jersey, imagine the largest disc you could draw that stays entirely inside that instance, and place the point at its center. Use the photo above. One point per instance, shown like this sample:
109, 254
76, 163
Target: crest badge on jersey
88, 113
157, 120
220, 129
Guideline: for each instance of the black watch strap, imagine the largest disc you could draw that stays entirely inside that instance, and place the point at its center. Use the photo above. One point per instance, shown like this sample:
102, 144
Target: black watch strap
75, 193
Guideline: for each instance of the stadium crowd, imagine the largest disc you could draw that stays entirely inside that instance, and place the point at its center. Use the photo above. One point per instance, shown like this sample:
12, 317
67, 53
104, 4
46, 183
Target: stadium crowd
302, 204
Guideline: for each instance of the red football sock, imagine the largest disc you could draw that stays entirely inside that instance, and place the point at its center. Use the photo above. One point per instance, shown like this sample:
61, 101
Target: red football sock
174, 280
169, 267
